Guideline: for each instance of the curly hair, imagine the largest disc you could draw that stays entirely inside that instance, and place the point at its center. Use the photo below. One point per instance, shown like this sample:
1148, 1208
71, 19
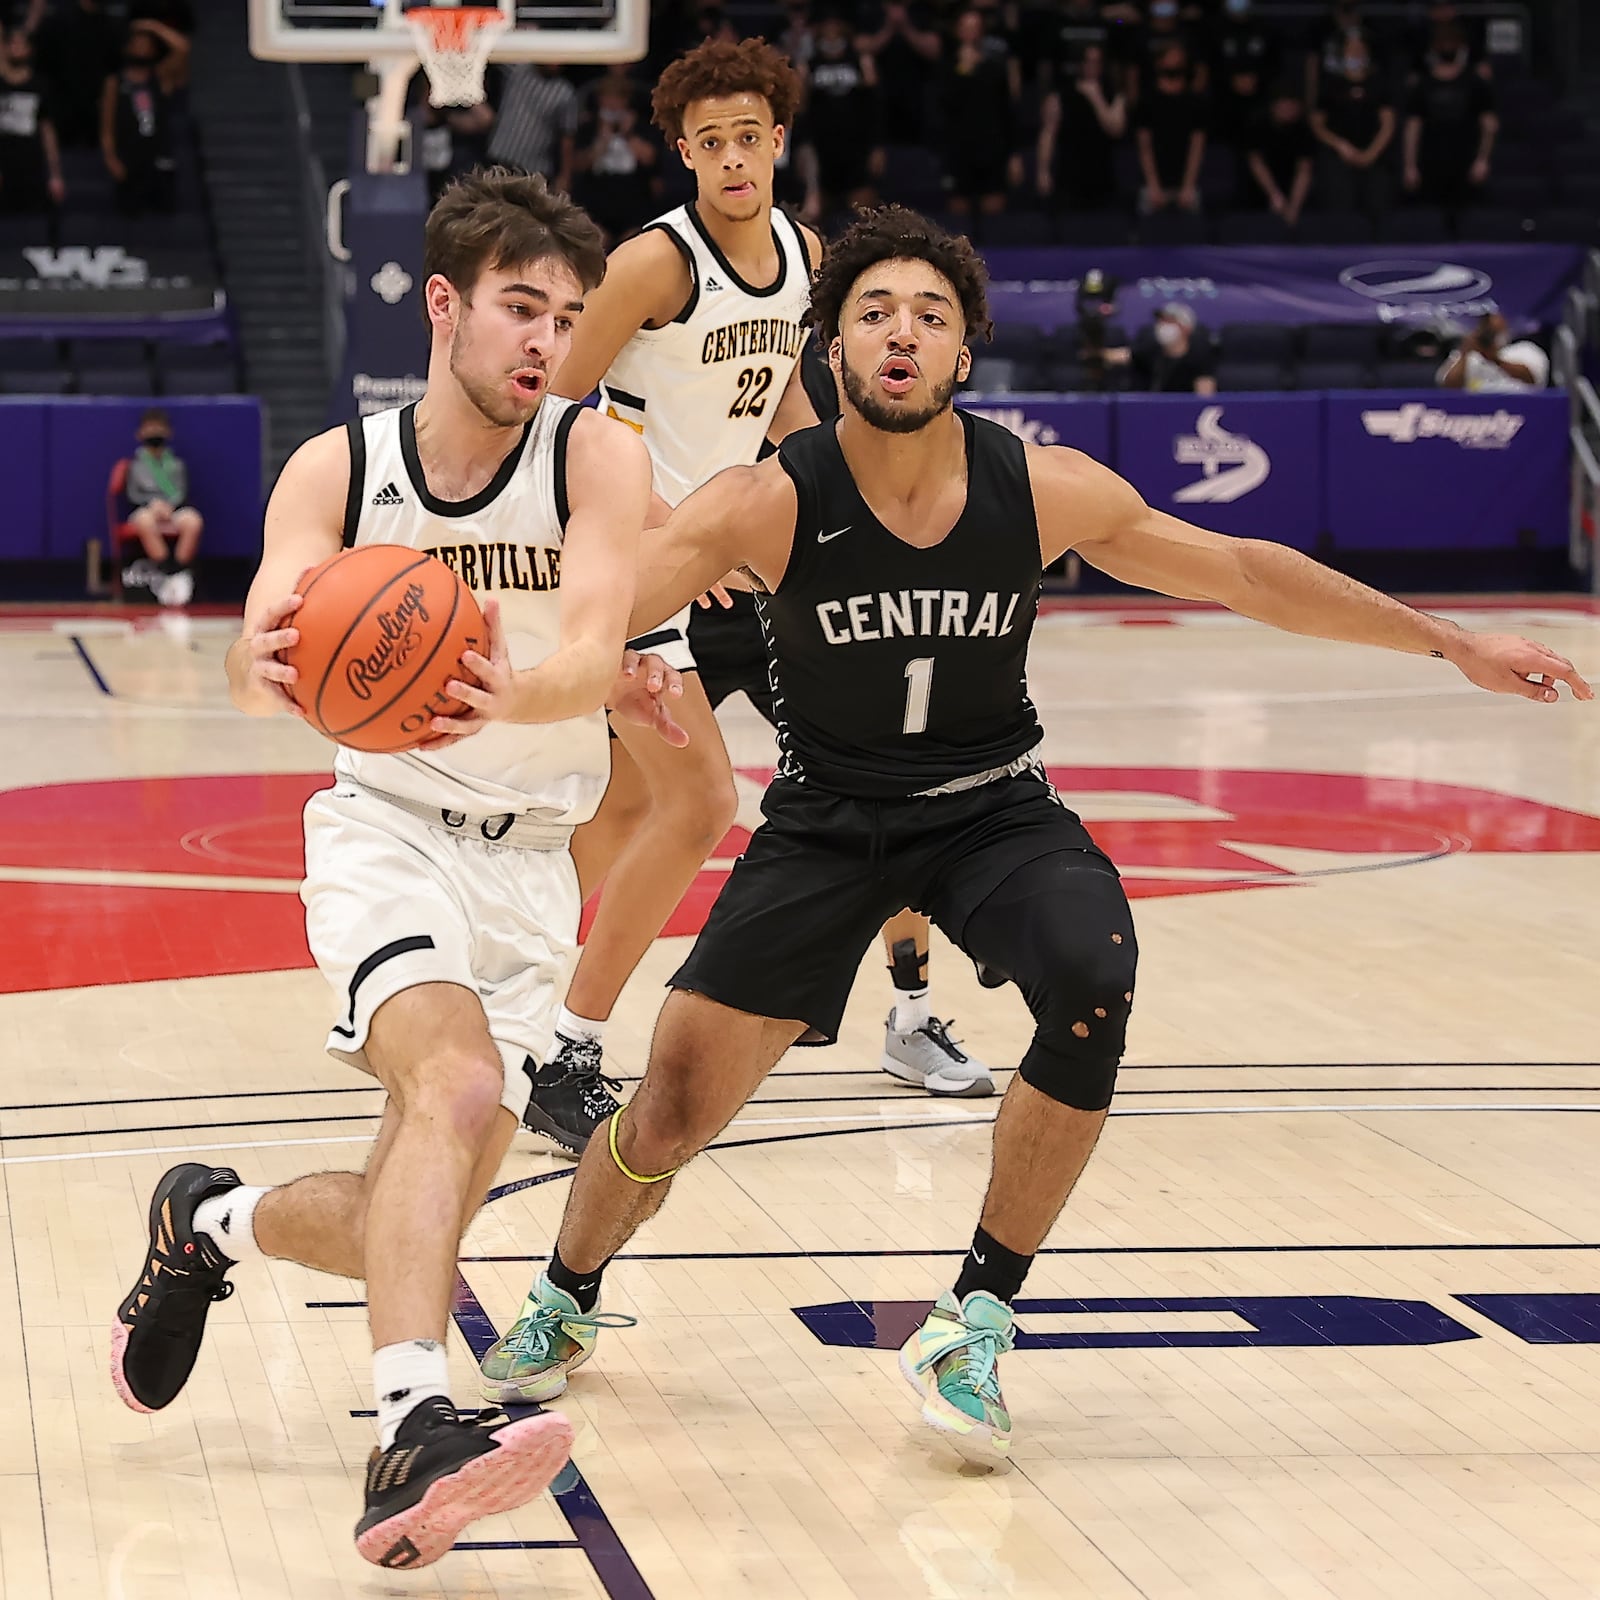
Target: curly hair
497, 218
892, 233
717, 67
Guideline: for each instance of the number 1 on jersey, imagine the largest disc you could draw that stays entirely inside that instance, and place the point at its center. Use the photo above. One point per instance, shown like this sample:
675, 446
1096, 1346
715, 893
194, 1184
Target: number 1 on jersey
919, 684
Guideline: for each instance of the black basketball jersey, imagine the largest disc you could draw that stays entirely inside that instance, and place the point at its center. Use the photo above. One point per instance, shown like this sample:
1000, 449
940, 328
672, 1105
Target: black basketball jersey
899, 670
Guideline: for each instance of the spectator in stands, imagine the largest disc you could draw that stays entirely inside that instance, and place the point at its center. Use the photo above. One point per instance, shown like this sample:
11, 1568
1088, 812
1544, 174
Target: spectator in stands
615, 161
1356, 123
23, 14
1170, 131
1280, 156
1346, 28
536, 123
1450, 126
1433, 35
455, 139
80, 46
175, 14
1242, 42
30, 158
1056, 37
978, 116
843, 121
798, 36
136, 118
1487, 362
1080, 123
168, 527
1165, 31
1174, 355
901, 39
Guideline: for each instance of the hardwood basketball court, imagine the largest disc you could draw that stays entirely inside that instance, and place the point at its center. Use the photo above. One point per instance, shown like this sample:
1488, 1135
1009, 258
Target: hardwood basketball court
1322, 1322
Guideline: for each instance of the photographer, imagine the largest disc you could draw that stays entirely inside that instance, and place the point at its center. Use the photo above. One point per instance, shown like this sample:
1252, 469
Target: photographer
1485, 362
1097, 301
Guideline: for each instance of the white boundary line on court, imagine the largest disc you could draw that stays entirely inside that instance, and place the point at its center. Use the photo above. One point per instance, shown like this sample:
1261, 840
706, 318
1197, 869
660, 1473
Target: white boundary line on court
898, 1120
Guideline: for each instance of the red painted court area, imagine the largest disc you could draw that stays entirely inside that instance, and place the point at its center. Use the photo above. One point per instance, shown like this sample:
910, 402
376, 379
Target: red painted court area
211, 836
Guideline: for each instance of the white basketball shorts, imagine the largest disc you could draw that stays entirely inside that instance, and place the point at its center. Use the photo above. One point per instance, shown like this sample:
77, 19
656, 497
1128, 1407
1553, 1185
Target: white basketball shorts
670, 641
393, 902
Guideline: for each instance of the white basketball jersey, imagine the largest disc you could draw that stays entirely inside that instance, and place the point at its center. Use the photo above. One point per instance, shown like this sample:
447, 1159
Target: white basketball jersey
703, 388
505, 541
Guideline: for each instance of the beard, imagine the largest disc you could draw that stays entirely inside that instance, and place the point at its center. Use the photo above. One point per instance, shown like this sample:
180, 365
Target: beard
879, 413
487, 395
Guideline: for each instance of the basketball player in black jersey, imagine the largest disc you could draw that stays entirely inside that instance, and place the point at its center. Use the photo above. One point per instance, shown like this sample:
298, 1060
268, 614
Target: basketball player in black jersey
901, 550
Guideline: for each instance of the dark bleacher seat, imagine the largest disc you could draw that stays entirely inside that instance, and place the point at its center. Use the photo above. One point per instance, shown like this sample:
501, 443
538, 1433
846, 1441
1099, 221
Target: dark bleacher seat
112, 366
1580, 190
1060, 374
1334, 375
1493, 225
1015, 341
197, 369
1172, 228
1270, 342
912, 175
1093, 230
997, 375
1239, 377
1396, 373
1522, 193
17, 233
187, 231
1341, 341
1567, 225
1516, 159
1414, 225
1252, 227
1017, 228
33, 366
1335, 227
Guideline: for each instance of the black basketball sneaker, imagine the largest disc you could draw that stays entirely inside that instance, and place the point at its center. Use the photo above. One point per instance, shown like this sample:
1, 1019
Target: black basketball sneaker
446, 1469
158, 1330
571, 1095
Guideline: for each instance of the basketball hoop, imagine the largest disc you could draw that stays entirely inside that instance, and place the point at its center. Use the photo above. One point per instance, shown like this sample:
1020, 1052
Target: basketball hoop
453, 43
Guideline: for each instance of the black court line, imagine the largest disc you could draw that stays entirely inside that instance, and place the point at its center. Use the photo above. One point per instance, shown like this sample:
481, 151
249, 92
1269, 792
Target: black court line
848, 1072
88, 661
901, 1098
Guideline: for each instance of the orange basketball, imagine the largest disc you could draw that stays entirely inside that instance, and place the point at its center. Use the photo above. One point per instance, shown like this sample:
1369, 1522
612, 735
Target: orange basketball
382, 631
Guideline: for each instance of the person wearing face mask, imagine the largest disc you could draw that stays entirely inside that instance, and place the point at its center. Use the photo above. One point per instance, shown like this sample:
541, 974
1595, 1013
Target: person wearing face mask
30, 158
136, 132
1450, 126
1347, 28
169, 529
1164, 31
1174, 355
1355, 124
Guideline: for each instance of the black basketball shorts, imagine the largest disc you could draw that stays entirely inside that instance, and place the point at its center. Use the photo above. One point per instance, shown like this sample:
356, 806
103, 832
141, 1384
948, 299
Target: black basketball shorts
730, 652
823, 874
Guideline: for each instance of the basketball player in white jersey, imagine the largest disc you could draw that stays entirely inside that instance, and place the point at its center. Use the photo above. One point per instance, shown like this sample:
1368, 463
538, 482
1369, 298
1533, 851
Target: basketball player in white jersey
441, 899
694, 340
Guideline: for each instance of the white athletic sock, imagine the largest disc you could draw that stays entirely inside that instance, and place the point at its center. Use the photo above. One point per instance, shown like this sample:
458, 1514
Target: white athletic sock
571, 1026
910, 1010
228, 1220
402, 1375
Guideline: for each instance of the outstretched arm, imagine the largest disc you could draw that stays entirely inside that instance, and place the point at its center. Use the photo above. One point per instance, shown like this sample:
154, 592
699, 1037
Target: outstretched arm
743, 517
1085, 507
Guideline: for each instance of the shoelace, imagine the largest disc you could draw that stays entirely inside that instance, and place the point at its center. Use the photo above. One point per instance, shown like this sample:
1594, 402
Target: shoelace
596, 1092
532, 1335
977, 1349
939, 1032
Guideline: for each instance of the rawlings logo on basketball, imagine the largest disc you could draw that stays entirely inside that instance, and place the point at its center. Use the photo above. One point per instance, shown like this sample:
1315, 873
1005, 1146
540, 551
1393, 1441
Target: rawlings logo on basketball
399, 640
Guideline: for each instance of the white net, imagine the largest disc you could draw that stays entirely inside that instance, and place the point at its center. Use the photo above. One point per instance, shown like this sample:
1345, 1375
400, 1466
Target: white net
453, 43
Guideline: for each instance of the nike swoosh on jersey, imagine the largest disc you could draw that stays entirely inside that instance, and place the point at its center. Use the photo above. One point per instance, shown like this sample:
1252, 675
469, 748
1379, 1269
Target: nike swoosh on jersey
823, 538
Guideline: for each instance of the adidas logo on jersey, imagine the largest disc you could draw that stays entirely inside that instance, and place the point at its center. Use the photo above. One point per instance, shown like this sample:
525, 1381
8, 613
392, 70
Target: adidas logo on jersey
388, 495
711, 284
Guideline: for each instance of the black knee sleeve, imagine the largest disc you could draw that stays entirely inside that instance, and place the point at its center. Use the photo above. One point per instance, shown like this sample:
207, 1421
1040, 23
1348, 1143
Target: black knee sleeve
1062, 929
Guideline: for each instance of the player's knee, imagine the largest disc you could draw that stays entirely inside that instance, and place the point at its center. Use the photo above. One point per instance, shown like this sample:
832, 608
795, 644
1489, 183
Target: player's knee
458, 1092
188, 520
1081, 1000
664, 1128
701, 813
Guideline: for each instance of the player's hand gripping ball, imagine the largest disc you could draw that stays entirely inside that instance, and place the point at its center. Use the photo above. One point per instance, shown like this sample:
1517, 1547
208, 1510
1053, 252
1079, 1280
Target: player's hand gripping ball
382, 630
